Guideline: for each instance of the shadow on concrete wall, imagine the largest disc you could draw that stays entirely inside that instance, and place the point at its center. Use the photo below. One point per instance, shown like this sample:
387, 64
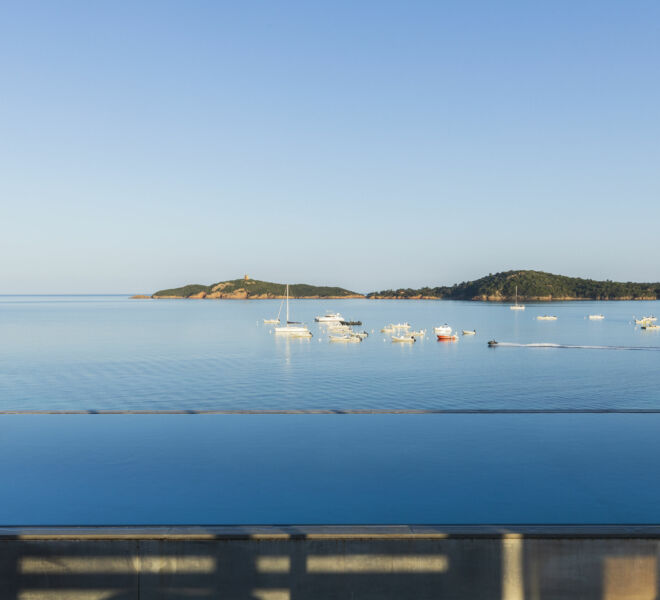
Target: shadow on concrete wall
298, 565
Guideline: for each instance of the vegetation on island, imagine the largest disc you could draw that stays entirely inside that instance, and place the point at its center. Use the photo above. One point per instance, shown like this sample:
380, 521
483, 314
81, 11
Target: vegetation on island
532, 285
245, 288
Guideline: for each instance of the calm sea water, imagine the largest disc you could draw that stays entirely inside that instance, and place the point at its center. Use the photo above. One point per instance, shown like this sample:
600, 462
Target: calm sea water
109, 352
114, 353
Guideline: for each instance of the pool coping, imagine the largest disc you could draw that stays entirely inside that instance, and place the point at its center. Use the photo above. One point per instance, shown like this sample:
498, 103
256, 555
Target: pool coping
321, 532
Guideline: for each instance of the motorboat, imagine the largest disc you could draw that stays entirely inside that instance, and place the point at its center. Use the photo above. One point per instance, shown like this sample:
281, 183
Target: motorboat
645, 320
442, 330
387, 329
400, 326
546, 318
492, 343
445, 333
329, 317
651, 327
420, 333
469, 332
291, 328
349, 339
404, 339
596, 317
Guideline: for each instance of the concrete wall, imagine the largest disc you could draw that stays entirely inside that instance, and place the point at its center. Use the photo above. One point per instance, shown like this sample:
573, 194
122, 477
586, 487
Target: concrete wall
290, 563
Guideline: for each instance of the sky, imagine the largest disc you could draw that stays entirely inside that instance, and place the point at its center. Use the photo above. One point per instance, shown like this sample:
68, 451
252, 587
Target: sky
371, 145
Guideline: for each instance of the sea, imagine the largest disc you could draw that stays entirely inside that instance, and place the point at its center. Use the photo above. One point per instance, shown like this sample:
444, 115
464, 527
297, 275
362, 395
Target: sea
556, 424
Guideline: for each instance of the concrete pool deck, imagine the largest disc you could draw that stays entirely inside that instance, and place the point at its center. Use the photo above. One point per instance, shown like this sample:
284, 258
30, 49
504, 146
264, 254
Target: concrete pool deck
289, 562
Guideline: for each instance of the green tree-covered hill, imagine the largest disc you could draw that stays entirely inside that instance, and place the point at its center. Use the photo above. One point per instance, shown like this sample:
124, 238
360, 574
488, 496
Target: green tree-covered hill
532, 285
253, 288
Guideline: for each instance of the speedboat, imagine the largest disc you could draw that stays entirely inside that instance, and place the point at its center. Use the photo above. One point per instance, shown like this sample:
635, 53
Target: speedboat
492, 343
329, 317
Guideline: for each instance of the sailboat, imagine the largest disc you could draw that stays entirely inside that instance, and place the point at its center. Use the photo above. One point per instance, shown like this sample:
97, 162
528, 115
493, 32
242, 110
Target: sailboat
517, 306
292, 329
278, 315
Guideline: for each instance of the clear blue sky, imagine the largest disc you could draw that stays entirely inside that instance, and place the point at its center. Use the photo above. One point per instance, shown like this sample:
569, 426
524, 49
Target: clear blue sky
377, 144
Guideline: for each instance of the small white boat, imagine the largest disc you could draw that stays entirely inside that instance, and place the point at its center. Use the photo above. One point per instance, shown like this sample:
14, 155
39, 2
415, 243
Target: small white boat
596, 317
400, 326
650, 327
329, 317
387, 329
302, 334
546, 318
276, 320
361, 334
517, 306
420, 333
645, 320
469, 332
406, 339
348, 339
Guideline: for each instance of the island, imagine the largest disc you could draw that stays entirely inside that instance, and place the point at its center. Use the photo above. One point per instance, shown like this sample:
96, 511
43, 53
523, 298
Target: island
251, 289
531, 286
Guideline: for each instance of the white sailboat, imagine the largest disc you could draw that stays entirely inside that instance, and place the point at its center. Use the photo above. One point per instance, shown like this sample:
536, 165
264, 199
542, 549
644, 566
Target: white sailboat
278, 315
292, 329
517, 306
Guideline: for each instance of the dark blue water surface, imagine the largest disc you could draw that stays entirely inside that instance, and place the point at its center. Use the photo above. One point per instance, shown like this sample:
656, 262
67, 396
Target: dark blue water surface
115, 353
310, 469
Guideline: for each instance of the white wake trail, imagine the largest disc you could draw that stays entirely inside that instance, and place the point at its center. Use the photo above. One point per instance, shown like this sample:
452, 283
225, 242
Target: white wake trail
550, 345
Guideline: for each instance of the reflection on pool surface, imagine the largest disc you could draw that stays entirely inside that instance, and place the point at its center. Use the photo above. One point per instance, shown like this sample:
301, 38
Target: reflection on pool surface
261, 469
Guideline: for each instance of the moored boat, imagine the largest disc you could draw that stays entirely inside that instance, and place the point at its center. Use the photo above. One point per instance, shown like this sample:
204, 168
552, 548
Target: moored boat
349, 339
546, 318
469, 332
292, 329
596, 317
329, 317
517, 306
650, 327
445, 333
403, 338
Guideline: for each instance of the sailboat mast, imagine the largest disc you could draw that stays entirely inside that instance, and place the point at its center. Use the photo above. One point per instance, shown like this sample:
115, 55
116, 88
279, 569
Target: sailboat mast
287, 302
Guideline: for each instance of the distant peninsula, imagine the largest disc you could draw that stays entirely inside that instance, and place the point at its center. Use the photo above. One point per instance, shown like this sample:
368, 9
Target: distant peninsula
532, 286
249, 289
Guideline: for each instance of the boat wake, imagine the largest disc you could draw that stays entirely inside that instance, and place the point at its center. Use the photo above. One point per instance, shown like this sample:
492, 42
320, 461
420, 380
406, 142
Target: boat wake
549, 345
